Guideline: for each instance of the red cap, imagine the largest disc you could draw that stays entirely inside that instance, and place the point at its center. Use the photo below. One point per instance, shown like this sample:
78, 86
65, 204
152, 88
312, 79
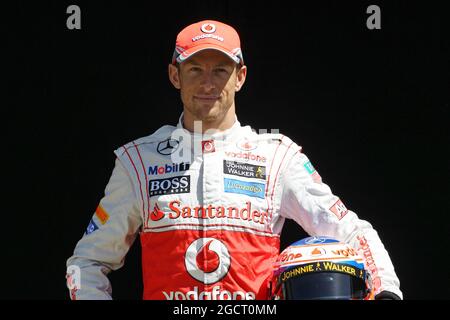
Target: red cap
208, 34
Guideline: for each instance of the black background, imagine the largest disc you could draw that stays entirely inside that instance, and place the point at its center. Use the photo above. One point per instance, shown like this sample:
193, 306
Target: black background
369, 107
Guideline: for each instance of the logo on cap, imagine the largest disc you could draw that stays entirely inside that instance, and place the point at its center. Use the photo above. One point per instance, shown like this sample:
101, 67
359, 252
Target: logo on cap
207, 260
208, 28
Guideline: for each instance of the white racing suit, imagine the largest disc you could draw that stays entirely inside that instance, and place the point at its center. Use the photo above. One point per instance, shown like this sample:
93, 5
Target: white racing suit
209, 210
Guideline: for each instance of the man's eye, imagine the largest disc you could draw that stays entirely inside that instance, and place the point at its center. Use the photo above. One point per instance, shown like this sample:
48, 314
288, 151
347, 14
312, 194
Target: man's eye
222, 70
195, 69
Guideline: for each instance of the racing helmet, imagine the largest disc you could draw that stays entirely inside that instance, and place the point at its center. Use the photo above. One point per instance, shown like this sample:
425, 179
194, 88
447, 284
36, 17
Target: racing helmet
320, 268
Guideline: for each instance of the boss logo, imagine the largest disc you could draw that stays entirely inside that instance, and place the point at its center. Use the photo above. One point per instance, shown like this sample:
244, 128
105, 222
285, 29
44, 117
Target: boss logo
179, 184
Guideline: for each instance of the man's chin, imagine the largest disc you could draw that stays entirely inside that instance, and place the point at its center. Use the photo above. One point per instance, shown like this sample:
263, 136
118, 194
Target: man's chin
209, 114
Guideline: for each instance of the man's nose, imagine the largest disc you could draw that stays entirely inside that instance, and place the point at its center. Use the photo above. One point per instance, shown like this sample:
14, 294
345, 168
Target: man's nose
208, 81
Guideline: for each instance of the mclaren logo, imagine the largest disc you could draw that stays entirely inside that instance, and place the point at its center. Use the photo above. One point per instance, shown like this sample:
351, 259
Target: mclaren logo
207, 260
168, 146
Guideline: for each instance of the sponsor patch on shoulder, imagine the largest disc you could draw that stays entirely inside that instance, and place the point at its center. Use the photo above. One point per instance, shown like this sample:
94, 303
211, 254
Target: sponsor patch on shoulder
339, 209
101, 214
309, 167
253, 189
91, 227
313, 172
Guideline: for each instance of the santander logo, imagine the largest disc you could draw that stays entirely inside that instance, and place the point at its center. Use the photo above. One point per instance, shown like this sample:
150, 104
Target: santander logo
156, 214
207, 260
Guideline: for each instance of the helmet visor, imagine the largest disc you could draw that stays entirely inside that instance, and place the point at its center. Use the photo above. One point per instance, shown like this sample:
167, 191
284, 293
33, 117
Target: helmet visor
324, 286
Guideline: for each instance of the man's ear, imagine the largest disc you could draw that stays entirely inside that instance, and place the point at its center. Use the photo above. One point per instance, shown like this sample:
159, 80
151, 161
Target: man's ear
174, 76
240, 77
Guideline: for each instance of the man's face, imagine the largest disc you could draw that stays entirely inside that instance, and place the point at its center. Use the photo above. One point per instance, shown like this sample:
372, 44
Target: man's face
207, 82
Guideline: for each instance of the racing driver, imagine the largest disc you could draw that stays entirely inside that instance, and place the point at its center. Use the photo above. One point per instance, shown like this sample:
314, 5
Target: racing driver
208, 197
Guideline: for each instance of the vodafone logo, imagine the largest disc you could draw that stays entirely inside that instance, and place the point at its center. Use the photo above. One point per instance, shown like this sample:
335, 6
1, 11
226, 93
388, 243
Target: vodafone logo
208, 146
207, 260
317, 252
245, 156
208, 28
246, 145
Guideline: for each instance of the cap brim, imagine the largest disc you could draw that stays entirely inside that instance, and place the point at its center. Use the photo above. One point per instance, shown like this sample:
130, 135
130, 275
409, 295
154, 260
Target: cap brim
190, 52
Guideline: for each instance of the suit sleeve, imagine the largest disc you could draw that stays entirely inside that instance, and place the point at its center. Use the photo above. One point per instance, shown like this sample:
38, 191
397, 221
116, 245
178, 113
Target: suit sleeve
110, 234
311, 203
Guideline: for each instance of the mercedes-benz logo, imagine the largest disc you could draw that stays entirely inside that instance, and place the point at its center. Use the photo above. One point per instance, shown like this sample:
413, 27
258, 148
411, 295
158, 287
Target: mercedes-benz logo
315, 240
168, 146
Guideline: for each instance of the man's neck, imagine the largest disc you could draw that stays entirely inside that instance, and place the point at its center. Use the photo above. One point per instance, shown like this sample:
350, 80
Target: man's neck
196, 125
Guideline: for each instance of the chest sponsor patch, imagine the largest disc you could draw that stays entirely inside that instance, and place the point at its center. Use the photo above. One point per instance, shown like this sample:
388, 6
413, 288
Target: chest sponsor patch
179, 184
253, 189
244, 169
245, 156
208, 146
179, 211
168, 168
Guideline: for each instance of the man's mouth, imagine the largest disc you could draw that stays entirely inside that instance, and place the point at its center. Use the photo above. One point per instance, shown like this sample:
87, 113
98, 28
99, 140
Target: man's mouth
206, 98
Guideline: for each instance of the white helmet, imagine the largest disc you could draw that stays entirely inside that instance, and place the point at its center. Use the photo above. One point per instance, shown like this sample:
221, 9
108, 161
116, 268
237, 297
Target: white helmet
320, 268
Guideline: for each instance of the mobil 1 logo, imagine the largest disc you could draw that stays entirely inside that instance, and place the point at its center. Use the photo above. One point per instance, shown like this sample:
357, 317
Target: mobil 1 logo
179, 184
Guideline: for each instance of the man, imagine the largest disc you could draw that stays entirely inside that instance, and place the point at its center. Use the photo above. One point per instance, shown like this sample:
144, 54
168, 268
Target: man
208, 197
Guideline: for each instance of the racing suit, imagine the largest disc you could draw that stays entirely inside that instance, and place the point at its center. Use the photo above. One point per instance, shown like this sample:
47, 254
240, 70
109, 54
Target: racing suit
209, 210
